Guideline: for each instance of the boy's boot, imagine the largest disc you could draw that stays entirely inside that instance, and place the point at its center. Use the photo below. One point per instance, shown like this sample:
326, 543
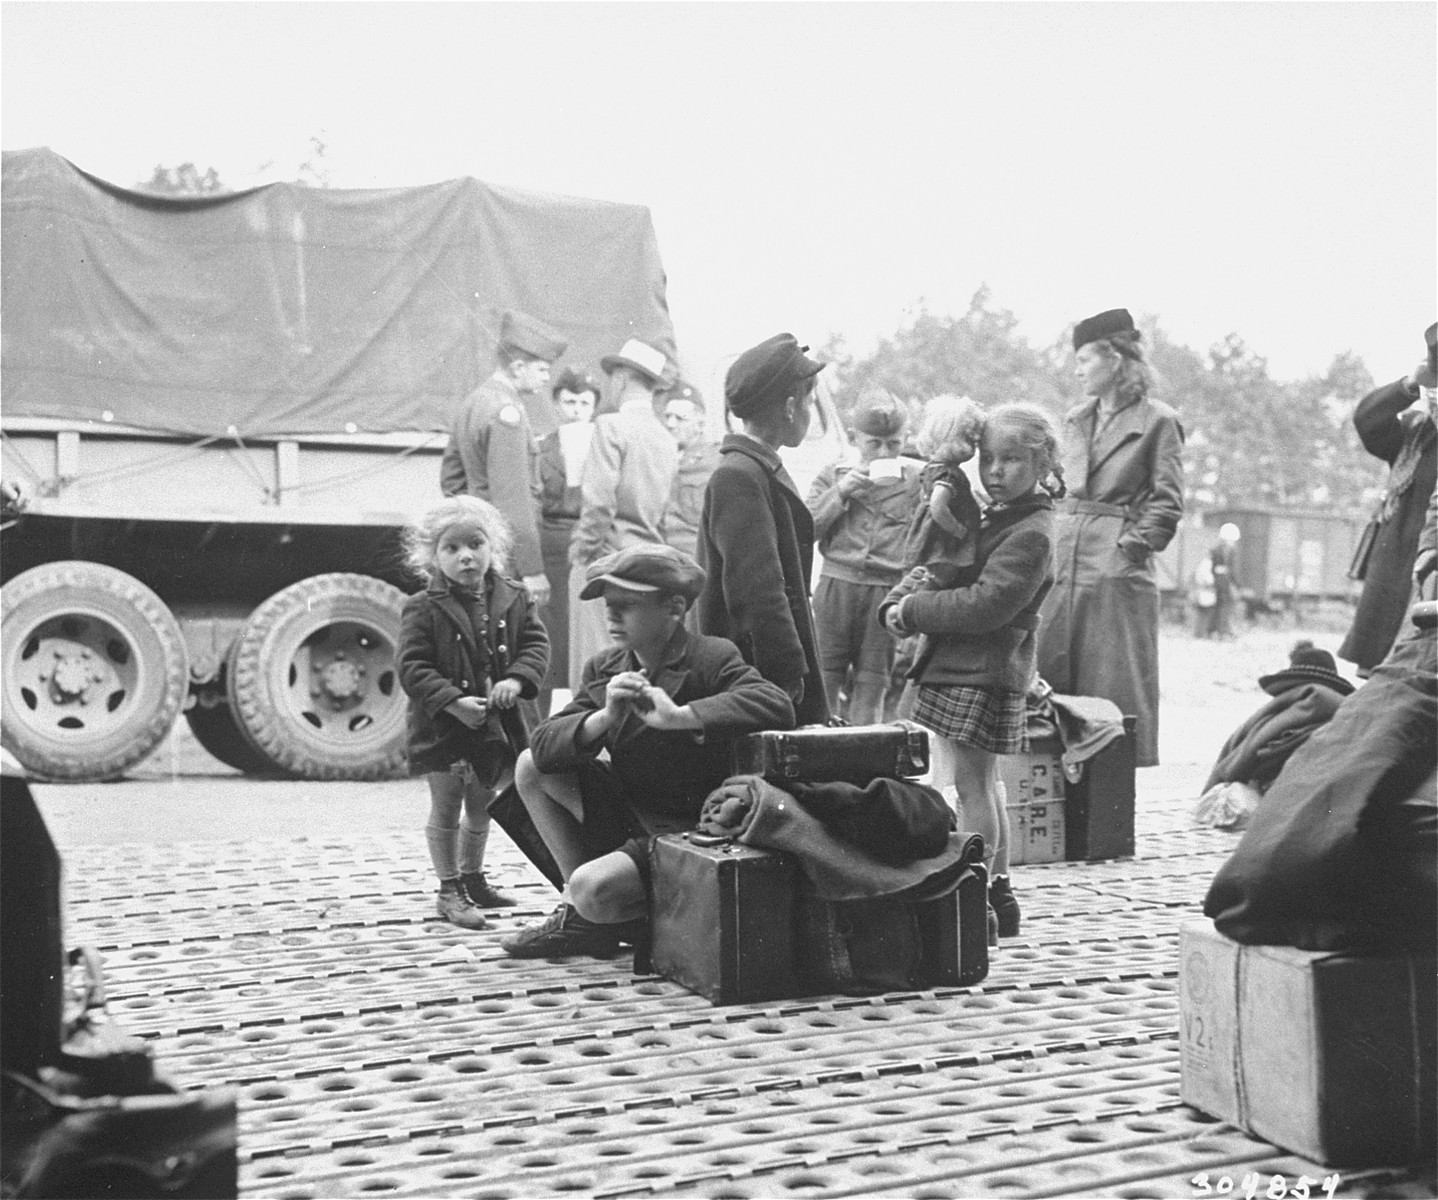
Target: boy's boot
455, 906
483, 894
1001, 900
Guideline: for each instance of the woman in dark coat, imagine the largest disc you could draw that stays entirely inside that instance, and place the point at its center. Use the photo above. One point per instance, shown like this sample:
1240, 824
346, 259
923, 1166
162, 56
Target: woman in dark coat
1405, 437
1123, 468
756, 537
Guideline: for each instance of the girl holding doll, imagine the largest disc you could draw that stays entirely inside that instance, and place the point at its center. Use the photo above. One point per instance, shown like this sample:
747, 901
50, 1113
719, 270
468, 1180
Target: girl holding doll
471, 646
979, 658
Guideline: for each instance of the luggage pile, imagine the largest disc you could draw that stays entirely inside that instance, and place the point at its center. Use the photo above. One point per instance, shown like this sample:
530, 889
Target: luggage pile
739, 919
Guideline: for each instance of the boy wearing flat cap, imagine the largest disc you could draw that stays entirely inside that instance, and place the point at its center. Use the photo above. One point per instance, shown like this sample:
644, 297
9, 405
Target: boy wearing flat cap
861, 518
666, 705
494, 441
756, 537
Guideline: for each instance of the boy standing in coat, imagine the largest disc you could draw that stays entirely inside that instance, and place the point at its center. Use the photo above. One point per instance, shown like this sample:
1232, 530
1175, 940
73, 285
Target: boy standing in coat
666, 705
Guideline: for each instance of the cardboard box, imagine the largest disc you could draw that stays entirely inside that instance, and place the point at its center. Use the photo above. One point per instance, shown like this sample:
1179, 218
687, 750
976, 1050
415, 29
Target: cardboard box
1092, 817
1329, 1055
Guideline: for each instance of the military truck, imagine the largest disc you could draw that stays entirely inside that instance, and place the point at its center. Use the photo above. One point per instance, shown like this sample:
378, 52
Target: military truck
220, 411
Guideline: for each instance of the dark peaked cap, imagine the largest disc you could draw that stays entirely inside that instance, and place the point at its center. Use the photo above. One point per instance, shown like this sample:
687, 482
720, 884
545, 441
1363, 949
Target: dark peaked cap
1102, 325
645, 568
529, 335
765, 373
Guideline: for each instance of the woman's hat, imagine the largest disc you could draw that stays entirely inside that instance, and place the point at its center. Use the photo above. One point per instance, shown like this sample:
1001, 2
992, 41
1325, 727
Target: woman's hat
1306, 664
766, 372
1102, 325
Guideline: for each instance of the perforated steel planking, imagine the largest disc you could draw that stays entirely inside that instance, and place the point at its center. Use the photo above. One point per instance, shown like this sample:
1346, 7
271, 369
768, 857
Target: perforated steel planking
379, 1051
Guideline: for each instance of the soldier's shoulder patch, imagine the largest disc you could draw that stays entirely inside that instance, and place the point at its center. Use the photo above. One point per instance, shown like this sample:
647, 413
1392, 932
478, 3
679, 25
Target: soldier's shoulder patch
509, 415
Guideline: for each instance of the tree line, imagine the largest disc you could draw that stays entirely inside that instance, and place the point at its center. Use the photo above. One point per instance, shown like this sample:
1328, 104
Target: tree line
1251, 439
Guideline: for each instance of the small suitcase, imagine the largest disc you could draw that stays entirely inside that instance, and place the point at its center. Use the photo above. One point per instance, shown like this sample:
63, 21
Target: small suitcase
723, 918
1101, 803
855, 754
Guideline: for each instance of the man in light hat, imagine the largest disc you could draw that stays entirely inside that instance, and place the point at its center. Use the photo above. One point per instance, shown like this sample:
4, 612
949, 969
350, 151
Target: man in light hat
666, 705
756, 537
627, 476
494, 439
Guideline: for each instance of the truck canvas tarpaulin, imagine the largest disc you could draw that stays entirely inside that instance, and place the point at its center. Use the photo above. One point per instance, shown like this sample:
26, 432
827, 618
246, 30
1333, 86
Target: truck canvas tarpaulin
287, 309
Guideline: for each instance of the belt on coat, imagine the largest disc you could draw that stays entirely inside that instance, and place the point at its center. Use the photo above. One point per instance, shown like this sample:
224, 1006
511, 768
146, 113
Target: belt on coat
1091, 508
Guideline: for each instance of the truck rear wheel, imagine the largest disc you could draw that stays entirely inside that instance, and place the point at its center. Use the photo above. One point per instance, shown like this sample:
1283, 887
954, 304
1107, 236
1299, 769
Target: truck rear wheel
217, 730
313, 682
94, 669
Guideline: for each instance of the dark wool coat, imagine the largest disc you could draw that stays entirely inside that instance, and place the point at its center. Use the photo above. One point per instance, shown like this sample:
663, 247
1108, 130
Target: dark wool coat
1099, 630
668, 771
983, 635
1385, 428
439, 662
756, 543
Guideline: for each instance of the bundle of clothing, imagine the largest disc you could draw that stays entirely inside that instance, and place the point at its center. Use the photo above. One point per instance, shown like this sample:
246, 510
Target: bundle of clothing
1305, 695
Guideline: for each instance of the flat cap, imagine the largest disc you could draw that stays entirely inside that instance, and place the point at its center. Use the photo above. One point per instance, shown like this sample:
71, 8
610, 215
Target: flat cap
1102, 325
645, 569
520, 331
641, 356
766, 372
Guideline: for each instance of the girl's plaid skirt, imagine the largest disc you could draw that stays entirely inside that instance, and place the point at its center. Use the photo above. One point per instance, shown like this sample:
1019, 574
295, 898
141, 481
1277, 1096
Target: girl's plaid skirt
987, 718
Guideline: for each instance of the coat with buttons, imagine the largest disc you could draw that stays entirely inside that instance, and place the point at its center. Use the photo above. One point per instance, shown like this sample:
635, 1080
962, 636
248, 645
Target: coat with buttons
439, 661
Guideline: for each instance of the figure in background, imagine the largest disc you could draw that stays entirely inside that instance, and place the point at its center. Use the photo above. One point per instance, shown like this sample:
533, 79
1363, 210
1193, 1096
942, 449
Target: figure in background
1122, 463
684, 417
976, 669
756, 537
494, 440
1395, 423
561, 467
1216, 585
627, 478
471, 646
861, 516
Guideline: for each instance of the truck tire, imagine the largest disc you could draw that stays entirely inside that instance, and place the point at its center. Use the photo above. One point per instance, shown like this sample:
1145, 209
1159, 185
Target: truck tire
216, 729
314, 683
94, 670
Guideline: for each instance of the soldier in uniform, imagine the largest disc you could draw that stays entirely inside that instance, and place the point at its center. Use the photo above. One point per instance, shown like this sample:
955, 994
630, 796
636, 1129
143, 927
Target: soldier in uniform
494, 439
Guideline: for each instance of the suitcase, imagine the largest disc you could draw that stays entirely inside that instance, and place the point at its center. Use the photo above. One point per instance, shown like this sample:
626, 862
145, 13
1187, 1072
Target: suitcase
723, 918
855, 754
1101, 803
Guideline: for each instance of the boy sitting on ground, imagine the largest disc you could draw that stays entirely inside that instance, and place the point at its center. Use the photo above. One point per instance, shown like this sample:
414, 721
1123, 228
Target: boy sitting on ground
667, 705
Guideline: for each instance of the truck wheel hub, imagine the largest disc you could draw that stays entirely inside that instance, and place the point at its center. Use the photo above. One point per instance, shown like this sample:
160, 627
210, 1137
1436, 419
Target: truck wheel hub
75, 674
340, 681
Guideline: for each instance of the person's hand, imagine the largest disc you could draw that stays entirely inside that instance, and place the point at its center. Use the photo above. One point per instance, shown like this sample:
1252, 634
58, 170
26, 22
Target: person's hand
505, 693
625, 690
854, 481
1423, 375
1136, 550
660, 711
892, 623
538, 588
468, 710
1424, 568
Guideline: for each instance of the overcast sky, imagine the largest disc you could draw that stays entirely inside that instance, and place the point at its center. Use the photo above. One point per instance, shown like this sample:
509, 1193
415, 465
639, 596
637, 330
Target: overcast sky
1267, 169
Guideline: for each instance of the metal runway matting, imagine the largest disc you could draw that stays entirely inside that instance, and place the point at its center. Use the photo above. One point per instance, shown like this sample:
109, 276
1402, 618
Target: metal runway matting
377, 1051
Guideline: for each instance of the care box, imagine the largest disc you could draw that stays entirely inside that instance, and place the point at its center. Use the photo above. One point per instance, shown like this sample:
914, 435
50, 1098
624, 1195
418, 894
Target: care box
1329, 1055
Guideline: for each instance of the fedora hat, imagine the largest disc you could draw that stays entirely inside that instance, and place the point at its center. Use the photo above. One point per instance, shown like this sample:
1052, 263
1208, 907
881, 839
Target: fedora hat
639, 356
1306, 664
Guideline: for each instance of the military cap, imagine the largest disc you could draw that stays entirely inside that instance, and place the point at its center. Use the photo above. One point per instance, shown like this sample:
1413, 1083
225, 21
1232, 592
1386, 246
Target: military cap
519, 331
1102, 325
641, 357
878, 414
646, 568
766, 372
680, 390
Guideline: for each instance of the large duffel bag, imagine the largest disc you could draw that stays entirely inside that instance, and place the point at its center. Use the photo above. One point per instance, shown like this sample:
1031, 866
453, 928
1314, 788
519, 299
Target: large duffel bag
855, 754
738, 924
